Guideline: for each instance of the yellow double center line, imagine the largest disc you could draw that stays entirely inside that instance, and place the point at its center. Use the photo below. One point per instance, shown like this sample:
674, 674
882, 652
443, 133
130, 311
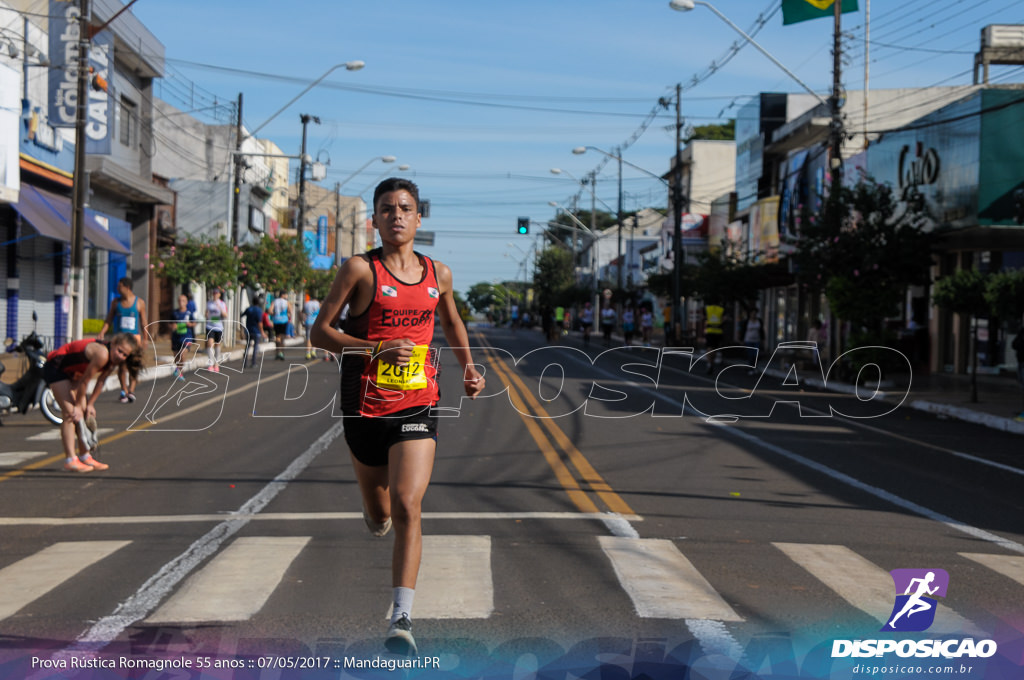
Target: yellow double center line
527, 404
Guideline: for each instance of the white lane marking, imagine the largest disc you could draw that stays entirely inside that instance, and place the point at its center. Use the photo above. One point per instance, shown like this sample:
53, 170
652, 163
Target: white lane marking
880, 493
1009, 566
306, 517
16, 458
619, 526
37, 574
455, 580
53, 434
235, 584
862, 583
990, 463
139, 605
662, 583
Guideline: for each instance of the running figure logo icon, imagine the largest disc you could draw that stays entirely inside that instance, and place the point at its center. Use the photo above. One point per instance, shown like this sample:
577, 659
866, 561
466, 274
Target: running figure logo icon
915, 607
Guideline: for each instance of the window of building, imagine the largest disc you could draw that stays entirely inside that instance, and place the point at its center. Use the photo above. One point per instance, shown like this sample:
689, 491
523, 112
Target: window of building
129, 123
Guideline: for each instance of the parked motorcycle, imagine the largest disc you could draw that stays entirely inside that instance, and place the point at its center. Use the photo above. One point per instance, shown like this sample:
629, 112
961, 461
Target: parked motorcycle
30, 388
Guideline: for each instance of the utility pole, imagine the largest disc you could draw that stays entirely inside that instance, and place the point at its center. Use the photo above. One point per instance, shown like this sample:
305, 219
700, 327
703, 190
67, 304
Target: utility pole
301, 226
339, 230
836, 141
678, 256
81, 178
618, 155
836, 144
236, 187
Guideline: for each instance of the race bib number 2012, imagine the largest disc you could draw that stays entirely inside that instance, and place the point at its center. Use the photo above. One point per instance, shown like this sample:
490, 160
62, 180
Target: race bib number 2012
412, 376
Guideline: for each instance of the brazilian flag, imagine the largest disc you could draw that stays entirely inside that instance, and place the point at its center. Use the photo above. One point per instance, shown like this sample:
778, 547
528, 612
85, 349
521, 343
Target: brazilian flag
795, 11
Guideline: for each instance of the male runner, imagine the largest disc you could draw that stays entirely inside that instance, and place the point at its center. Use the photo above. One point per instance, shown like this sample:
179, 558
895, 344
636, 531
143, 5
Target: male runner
389, 381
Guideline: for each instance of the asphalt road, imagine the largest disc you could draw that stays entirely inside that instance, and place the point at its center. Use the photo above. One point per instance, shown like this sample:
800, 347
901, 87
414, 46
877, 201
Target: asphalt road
582, 498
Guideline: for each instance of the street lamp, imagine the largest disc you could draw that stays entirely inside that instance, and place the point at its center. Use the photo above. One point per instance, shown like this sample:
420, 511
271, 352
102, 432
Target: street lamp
618, 218
383, 159
836, 131
347, 65
687, 5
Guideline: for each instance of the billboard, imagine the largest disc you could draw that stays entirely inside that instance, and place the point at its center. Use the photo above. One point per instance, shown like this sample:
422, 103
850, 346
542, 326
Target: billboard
63, 86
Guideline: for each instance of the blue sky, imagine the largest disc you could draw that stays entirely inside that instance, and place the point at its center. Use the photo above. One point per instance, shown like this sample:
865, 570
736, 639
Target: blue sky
481, 99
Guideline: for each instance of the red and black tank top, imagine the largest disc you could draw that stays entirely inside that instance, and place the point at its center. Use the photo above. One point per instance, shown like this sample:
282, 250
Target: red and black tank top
374, 388
71, 359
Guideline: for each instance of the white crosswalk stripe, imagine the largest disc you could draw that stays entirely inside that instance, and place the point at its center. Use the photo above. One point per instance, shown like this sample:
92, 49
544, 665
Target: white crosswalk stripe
1010, 566
456, 580
235, 585
38, 574
863, 584
661, 582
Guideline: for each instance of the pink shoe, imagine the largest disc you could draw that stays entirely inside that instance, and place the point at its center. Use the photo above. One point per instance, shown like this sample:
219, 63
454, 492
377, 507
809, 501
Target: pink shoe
75, 465
87, 459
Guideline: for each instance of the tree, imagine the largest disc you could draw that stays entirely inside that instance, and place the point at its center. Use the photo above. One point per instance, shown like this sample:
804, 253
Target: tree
481, 296
963, 292
319, 281
1004, 294
208, 262
714, 131
553, 276
272, 264
864, 249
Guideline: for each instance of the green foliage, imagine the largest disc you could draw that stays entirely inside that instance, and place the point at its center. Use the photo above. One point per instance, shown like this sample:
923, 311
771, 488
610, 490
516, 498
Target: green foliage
962, 292
713, 131
274, 264
209, 262
553, 275
864, 249
318, 282
1004, 294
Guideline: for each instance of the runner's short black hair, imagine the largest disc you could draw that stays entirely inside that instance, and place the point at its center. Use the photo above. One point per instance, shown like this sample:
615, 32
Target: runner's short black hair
396, 184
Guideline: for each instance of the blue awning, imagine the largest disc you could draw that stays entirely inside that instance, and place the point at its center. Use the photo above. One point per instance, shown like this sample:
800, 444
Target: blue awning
50, 214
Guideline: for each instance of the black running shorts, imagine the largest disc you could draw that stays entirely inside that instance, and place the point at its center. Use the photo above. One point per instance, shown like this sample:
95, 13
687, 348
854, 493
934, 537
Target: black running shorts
370, 439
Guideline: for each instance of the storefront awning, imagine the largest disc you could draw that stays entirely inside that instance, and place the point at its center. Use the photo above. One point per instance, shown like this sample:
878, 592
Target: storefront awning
50, 214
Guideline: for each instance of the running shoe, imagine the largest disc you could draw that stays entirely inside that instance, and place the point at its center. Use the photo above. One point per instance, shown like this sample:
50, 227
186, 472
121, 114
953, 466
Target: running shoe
87, 459
124, 397
131, 397
378, 529
399, 639
75, 465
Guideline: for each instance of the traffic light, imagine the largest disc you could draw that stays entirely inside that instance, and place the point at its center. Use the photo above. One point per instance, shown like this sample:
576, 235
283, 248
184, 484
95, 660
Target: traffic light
523, 226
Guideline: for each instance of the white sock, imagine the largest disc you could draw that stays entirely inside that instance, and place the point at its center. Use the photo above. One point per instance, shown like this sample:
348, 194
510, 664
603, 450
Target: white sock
402, 598
209, 357
216, 351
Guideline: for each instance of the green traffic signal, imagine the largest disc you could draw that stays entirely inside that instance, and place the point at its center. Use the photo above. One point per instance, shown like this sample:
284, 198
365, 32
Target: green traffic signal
524, 225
